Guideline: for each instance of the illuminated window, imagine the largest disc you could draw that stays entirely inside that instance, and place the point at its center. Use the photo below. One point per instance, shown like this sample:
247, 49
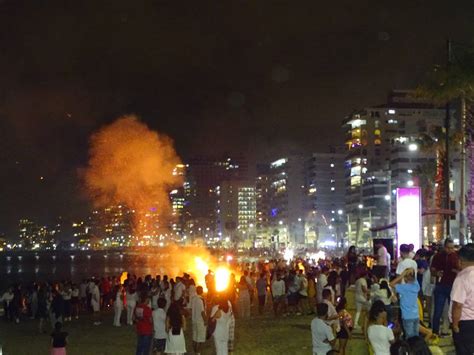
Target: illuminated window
355, 180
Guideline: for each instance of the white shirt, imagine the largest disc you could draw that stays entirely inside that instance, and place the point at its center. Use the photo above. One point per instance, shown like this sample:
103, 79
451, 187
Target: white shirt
278, 288
382, 256
67, 294
321, 283
303, 286
320, 334
167, 294
380, 337
191, 291
95, 294
131, 298
118, 300
197, 307
178, 291
331, 313
7, 297
382, 295
159, 323
406, 264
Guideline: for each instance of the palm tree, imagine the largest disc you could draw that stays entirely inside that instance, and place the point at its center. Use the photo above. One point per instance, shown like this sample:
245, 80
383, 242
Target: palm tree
454, 82
425, 174
432, 176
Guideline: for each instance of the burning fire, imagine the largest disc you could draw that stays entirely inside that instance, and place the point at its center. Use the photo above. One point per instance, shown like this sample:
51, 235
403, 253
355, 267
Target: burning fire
301, 266
222, 278
221, 274
123, 277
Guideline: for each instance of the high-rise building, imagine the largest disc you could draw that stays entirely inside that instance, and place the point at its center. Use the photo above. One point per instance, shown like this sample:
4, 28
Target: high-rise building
263, 206
287, 201
382, 153
204, 175
325, 188
236, 212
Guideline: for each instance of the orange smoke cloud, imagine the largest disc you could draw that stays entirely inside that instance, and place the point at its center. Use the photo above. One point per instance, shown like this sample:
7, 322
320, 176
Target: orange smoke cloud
131, 164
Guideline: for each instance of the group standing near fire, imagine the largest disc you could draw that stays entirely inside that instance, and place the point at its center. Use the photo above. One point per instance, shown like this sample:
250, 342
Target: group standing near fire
412, 302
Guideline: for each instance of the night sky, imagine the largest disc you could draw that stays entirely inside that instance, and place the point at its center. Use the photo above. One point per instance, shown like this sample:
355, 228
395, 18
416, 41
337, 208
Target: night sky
230, 76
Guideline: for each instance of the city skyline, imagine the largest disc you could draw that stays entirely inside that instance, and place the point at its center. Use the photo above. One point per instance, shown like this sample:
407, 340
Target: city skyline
262, 85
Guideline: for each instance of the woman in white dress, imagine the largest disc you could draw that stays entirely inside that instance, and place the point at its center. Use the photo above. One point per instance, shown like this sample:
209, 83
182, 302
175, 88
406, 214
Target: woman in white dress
222, 314
118, 305
131, 297
175, 327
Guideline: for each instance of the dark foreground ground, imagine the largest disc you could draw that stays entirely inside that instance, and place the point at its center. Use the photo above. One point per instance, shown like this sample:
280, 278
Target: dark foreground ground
259, 335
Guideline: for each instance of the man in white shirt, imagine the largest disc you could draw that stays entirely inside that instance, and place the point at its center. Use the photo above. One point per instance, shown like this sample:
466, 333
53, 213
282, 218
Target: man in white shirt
406, 262
321, 334
159, 326
278, 293
198, 319
178, 290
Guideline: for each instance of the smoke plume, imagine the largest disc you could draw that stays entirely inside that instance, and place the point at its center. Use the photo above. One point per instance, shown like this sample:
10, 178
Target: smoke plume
132, 165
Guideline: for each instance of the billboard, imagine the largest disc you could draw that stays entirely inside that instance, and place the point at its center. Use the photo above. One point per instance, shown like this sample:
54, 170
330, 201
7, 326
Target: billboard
409, 216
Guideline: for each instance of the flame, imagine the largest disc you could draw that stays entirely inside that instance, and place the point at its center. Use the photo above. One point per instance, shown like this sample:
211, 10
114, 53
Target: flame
200, 271
301, 266
123, 277
222, 278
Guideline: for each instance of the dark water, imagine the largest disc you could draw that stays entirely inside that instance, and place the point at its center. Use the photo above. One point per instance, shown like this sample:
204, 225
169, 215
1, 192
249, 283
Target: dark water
43, 266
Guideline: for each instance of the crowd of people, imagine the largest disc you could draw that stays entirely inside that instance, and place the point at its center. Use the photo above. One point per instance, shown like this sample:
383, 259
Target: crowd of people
409, 302
398, 304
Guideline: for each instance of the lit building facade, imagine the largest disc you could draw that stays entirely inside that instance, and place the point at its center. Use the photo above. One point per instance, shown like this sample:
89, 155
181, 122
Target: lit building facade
204, 175
263, 206
287, 197
112, 226
34, 237
325, 189
80, 233
383, 152
236, 213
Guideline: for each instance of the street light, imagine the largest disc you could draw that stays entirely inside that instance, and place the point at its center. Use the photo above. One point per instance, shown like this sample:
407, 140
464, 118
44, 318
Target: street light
339, 212
361, 206
412, 147
387, 197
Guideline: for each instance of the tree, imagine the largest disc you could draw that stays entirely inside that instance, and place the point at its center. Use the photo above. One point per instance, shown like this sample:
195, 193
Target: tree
454, 82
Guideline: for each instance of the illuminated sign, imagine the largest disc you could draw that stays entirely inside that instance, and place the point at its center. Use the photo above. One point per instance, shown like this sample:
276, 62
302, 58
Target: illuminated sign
409, 216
